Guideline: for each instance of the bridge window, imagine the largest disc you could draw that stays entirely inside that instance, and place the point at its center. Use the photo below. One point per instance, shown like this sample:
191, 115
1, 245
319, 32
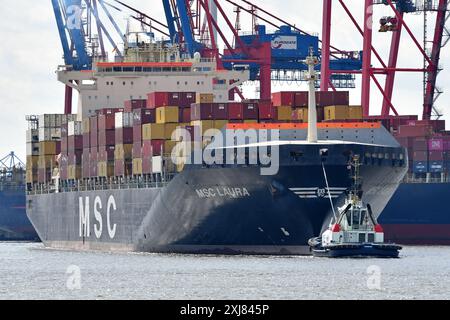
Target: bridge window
117, 69
128, 69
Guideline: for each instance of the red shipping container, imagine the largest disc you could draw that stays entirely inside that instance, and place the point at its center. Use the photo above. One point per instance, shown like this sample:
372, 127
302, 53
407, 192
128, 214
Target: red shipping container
414, 131
185, 115
437, 125
220, 111
137, 150
250, 111
93, 139
157, 99
58, 147
44, 175
436, 156
122, 168
124, 135
152, 148
93, 163
436, 144
86, 140
106, 153
420, 156
419, 144
64, 145
187, 98
266, 110
85, 164
202, 111
106, 121
285, 98
106, 138
74, 157
174, 99
74, 143
235, 111
131, 105
147, 165
301, 99
137, 133
144, 116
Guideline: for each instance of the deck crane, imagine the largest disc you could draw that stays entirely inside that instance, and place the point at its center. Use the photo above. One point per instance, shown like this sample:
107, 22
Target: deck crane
275, 55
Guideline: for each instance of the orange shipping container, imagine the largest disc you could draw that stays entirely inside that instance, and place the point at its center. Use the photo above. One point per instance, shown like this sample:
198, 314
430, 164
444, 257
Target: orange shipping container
167, 115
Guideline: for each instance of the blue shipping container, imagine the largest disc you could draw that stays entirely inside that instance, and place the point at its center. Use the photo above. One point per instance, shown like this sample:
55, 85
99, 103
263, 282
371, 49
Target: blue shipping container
436, 166
420, 167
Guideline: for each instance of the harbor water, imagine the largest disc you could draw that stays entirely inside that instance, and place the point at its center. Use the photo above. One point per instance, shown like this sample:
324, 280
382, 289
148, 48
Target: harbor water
29, 271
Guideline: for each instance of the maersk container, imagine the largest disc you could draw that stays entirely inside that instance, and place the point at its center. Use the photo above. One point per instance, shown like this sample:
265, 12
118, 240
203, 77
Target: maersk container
420, 167
187, 98
152, 147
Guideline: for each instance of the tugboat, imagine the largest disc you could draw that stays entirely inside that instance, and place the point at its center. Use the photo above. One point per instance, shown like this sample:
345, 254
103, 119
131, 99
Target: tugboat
354, 231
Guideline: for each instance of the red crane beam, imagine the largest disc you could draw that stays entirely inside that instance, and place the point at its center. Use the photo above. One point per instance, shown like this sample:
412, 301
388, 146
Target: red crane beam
367, 57
435, 56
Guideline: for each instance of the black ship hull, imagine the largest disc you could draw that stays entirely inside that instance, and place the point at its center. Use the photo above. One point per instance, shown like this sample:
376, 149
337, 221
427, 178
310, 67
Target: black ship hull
223, 209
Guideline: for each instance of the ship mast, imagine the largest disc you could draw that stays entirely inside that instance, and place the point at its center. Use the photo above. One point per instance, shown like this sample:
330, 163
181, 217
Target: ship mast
311, 77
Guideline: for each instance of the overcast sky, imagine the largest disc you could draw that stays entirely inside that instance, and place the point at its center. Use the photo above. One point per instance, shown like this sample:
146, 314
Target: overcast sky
31, 51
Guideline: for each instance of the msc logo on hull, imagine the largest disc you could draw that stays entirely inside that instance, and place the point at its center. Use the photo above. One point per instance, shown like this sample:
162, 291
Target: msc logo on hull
99, 226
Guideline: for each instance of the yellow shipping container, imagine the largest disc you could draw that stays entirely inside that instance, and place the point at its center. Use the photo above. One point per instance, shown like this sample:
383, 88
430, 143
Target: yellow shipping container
204, 98
123, 151
137, 166
74, 172
47, 148
105, 169
336, 113
167, 115
86, 125
300, 114
204, 125
169, 146
46, 162
31, 176
355, 112
220, 124
284, 113
250, 121
32, 162
153, 131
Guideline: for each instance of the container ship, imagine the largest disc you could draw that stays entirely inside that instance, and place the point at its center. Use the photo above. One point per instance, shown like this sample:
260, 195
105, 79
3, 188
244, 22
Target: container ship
116, 178
14, 224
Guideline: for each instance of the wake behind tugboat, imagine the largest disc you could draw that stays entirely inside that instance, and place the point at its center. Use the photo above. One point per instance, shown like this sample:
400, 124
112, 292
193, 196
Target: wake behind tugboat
354, 232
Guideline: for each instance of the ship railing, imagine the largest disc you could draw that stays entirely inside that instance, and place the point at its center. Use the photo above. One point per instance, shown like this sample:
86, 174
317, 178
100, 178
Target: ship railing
413, 178
86, 186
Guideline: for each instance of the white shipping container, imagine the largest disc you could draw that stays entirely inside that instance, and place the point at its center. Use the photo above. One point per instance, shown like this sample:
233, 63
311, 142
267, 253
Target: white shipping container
123, 119
32, 135
32, 148
74, 128
51, 120
157, 164
49, 134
